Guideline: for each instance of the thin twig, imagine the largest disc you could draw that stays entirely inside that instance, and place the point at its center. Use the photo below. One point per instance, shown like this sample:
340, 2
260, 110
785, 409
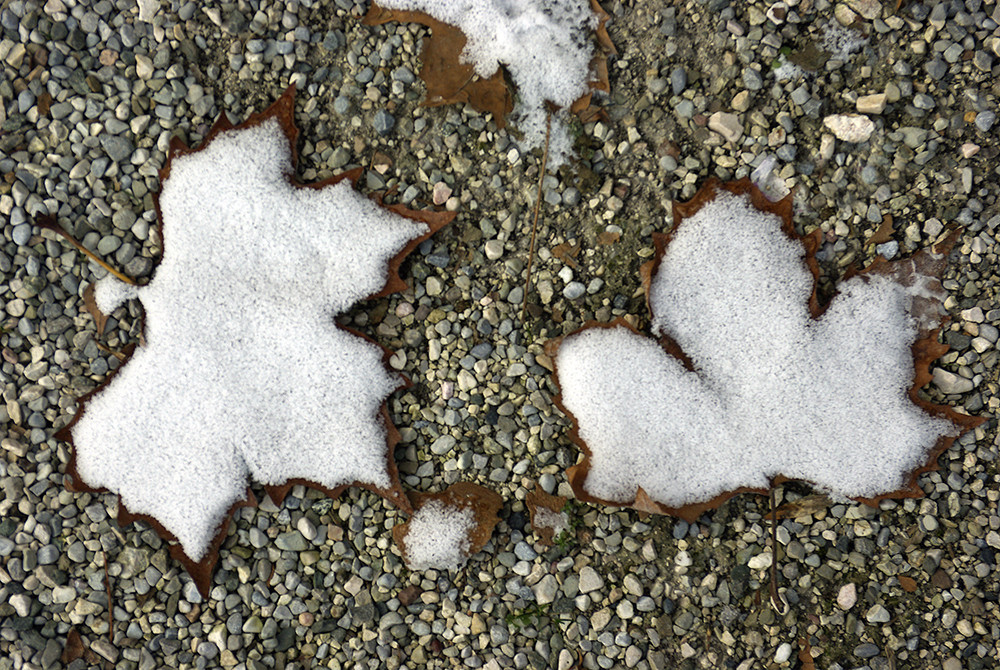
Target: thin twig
779, 605
111, 606
50, 224
534, 222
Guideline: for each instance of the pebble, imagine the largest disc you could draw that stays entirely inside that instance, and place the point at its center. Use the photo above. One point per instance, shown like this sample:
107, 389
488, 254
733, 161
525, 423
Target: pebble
383, 122
783, 653
951, 383
877, 614
847, 596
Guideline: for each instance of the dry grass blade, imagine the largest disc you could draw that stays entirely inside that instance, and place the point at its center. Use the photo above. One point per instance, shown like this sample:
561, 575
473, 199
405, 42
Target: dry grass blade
48, 223
111, 605
777, 602
534, 221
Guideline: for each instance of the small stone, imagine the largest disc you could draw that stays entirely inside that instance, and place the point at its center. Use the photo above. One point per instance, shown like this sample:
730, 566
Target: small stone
21, 602
949, 383
852, 128
291, 541
783, 653
871, 104
984, 120
443, 445
877, 614
493, 249
741, 101
969, 150
726, 124
847, 596
574, 290
384, 122
870, 9
546, 589
307, 528
866, 650
441, 193
760, 561
678, 80
119, 149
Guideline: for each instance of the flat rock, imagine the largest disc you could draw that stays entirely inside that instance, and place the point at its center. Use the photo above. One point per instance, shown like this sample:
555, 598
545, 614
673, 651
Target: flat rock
850, 127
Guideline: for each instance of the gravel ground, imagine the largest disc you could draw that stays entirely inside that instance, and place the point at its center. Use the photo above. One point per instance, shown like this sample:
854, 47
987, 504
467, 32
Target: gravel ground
91, 93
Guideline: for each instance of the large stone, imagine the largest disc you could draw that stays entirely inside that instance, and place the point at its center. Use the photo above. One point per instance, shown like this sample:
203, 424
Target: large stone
590, 580
726, 124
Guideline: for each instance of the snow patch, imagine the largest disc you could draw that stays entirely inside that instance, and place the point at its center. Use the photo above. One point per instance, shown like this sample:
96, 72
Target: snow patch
772, 391
110, 293
438, 536
546, 518
244, 372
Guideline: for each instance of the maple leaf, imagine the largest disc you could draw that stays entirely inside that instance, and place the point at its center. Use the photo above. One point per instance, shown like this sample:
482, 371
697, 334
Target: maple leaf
753, 382
546, 50
244, 372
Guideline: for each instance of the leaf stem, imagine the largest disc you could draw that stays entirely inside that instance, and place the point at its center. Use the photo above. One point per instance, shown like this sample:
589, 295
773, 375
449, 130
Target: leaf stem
534, 222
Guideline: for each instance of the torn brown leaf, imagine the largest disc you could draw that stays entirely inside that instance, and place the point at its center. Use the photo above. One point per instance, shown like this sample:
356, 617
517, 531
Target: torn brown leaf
448, 79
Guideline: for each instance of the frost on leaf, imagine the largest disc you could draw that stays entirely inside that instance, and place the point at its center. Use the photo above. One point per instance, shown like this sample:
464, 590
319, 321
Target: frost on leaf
448, 528
752, 382
243, 372
546, 48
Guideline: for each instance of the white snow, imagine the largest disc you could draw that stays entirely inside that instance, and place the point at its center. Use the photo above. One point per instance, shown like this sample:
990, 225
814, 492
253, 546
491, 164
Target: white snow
773, 392
111, 292
438, 536
545, 46
244, 372
546, 518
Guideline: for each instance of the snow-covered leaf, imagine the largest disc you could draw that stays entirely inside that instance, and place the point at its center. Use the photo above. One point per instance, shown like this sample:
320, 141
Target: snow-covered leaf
449, 527
243, 372
752, 381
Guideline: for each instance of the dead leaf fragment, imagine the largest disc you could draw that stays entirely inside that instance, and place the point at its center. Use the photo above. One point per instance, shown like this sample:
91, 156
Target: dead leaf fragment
74, 647
448, 79
805, 505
